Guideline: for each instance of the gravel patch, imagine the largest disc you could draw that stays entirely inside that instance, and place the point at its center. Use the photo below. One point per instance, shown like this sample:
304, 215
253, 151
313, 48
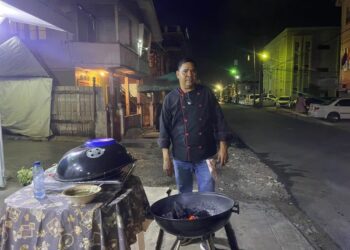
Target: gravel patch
244, 177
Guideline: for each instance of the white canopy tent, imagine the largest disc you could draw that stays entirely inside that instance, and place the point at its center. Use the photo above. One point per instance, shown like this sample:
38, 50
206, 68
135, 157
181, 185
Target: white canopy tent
25, 91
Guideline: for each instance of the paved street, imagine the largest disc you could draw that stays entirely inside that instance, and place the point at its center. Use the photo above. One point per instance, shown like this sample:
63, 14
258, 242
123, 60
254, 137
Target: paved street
311, 158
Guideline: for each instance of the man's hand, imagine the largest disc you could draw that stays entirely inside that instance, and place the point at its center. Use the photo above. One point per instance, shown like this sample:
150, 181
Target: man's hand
168, 166
222, 154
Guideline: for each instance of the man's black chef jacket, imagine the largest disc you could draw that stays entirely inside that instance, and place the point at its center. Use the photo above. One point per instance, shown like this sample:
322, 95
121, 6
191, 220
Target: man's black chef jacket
193, 123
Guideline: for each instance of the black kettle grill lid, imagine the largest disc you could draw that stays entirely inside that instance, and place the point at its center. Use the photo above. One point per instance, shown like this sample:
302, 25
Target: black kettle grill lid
101, 142
102, 158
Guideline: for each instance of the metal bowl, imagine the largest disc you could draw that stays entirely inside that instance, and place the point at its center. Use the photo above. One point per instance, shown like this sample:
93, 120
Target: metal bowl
81, 194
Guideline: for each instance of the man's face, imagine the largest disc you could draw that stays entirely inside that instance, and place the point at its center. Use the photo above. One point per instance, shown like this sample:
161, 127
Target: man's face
187, 76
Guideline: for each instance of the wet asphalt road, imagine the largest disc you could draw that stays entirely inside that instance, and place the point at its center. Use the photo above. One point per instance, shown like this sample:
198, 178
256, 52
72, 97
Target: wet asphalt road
312, 159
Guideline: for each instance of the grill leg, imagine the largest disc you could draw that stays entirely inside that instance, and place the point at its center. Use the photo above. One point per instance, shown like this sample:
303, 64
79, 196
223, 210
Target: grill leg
160, 239
231, 237
210, 242
176, 244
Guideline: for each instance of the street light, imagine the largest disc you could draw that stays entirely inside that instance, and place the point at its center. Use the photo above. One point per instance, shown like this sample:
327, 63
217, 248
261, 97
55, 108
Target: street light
237, 77
219, 88
263, 56
233, 71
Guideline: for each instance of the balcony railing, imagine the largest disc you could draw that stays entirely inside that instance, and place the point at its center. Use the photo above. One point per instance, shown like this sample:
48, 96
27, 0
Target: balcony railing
106, 55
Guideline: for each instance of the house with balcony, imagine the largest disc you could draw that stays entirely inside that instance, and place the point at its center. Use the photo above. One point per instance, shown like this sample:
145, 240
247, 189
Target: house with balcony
163, 63
176, 44
97, 54
302, 60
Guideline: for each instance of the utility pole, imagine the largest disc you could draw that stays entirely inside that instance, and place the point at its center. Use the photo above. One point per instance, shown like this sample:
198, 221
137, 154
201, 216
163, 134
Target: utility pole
261, 84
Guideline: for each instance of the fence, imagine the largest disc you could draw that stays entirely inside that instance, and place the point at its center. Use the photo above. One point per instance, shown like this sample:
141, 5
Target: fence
73, 111
133, 121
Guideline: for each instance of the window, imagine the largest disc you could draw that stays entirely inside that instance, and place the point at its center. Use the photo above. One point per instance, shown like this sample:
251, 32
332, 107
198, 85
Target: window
42, 33
347, 20
296, 56
345, 103
322, 69
307, 45
296, 68
19, 29
125, 30
296, 46
37, 33
323, 47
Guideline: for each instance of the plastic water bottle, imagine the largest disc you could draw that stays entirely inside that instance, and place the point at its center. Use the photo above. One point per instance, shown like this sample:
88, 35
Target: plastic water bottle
38, 181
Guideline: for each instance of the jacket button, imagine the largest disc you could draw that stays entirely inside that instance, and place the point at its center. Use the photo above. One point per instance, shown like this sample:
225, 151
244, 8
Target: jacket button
200, 133
199, 105
200, 118
188, 147
198, 93
200, 147
187, 134
183, 107
185, 120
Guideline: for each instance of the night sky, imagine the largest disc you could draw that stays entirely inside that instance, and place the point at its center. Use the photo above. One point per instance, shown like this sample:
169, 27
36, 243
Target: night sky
224, 30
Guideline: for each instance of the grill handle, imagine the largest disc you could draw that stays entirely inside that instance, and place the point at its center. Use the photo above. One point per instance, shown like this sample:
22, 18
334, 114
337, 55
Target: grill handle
235, 208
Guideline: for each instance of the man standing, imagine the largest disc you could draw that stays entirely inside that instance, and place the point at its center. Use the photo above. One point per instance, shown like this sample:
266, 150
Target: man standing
192, 123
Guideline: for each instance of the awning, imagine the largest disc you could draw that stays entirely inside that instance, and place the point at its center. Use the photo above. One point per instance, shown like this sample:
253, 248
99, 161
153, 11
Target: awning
165, 82
157, 87
170, 77
34, 13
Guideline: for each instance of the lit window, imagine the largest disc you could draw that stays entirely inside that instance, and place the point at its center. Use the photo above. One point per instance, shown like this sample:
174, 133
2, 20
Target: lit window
33, 35
42, 33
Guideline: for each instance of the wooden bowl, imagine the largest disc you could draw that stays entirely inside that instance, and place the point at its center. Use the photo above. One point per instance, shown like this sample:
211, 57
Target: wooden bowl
81, 194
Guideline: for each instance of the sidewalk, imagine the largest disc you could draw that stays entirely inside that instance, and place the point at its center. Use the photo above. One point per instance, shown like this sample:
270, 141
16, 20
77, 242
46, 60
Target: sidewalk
259, 226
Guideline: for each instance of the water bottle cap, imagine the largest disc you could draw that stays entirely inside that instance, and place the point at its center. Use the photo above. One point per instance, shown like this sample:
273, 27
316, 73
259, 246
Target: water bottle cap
37, 163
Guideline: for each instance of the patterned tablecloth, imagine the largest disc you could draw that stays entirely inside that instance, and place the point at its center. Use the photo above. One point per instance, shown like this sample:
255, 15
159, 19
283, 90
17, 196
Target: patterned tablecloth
54, 223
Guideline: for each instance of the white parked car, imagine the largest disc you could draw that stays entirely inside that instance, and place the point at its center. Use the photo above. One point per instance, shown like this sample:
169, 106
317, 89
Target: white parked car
271, 96
333, 110
284, 101
249, 100
267, 102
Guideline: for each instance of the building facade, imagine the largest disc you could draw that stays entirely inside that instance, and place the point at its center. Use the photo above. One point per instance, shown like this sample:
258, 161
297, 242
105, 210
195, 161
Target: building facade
344, 55
176, 44
302, 60
103, 45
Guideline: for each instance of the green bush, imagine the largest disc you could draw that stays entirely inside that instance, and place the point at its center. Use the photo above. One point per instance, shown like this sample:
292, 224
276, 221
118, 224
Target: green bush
25, 176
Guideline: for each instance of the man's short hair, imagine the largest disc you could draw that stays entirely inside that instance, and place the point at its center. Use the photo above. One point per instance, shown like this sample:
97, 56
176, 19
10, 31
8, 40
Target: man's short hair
186, 60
